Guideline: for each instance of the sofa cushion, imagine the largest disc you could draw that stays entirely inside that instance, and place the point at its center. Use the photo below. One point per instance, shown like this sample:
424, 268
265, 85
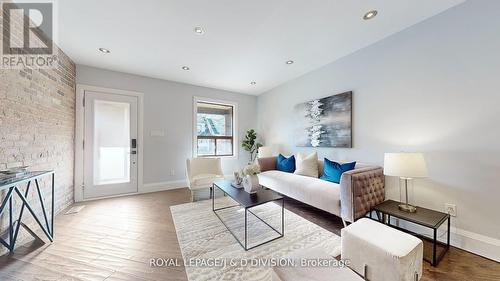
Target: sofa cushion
332, 171
321, 194
286, 164
307, 165
267, 163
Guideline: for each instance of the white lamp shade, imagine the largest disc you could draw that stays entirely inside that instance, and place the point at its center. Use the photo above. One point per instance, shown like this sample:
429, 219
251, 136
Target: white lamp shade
405, 165
265, 151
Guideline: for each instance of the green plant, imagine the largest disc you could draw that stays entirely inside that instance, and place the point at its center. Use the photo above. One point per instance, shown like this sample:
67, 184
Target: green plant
250, 144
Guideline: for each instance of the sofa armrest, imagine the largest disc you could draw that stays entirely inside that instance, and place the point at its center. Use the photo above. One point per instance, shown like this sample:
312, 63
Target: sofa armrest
267, 163
361, 189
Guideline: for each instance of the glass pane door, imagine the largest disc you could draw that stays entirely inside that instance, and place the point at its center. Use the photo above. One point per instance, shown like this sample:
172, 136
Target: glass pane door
111, 145
111, 142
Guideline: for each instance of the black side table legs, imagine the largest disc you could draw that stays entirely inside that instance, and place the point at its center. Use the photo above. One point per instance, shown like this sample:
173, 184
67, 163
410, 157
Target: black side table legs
424, 217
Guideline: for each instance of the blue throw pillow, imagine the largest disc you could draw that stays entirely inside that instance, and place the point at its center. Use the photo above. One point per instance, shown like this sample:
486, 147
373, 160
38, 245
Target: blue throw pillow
286, 164
332, 171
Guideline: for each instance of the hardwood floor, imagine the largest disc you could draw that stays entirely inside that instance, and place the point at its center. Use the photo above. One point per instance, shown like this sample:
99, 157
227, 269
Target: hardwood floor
113, 239
455, 265
110, 239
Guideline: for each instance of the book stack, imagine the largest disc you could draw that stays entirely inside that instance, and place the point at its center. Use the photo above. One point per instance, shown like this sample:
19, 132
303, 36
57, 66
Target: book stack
14, 172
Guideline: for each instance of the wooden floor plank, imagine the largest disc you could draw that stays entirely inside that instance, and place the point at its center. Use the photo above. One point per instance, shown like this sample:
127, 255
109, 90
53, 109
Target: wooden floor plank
456, 265
113, 240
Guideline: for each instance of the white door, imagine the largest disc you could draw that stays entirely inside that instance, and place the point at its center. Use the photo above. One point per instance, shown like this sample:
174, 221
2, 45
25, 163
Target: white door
110, 145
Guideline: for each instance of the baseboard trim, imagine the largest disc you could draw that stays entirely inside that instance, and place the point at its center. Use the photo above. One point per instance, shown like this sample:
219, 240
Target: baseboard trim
162, 186
476, 243
476, 236
472, 242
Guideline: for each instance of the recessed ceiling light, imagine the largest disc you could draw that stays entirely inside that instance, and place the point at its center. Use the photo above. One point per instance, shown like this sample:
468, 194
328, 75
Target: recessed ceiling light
253, 83
290, 62
185, 68
199, 30
104, 50
370, 15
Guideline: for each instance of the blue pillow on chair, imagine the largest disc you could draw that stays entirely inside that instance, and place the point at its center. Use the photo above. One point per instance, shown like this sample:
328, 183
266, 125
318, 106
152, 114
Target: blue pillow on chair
286, 164
332, 171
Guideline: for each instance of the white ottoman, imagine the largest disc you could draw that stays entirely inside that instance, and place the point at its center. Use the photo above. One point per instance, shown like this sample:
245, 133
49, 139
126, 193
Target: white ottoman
299, 273
389, 254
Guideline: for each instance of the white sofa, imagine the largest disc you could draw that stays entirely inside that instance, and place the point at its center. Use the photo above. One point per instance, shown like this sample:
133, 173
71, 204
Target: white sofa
358, 191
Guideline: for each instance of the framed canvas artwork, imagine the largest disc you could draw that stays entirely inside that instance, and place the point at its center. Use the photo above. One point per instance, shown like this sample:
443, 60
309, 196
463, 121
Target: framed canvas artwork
325, 122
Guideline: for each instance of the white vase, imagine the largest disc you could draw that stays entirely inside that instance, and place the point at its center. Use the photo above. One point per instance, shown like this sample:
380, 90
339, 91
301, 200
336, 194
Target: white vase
251, 184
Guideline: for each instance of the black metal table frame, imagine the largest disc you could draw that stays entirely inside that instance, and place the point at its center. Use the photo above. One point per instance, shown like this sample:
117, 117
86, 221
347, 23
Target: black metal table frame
247, 210
435, 259
14, 228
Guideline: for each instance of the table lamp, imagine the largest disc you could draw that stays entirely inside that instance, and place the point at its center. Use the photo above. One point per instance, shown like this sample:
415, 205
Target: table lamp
406, 166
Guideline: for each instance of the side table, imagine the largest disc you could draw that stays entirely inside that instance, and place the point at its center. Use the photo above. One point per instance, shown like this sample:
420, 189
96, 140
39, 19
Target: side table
424, 217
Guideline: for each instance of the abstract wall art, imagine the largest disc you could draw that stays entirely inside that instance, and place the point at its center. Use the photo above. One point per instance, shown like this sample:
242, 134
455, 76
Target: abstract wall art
325, 122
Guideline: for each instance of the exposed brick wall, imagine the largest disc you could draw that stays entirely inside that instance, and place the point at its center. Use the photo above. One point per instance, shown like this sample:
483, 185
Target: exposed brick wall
37, 124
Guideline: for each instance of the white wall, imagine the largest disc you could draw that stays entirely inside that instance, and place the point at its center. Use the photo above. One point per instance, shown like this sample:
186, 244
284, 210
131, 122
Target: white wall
168, 107
434, 88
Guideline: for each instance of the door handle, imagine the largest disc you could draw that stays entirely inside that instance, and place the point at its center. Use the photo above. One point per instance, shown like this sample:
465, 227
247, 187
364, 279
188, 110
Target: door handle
133, 152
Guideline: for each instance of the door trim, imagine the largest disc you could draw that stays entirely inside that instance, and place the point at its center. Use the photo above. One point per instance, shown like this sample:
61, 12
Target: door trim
79, 136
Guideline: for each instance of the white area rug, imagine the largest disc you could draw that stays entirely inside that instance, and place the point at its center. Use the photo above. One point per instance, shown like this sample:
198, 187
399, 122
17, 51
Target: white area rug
202, 236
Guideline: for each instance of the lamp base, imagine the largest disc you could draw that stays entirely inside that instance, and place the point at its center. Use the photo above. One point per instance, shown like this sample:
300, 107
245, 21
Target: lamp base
407, 208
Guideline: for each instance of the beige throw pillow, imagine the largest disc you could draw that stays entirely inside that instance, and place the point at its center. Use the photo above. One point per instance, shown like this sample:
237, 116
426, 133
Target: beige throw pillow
306, 165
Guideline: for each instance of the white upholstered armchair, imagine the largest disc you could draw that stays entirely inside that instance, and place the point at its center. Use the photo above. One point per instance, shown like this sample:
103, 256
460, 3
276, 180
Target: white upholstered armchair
202, 172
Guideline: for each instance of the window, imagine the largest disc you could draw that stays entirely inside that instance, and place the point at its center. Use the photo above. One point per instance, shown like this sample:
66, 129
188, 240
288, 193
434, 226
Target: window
214, 129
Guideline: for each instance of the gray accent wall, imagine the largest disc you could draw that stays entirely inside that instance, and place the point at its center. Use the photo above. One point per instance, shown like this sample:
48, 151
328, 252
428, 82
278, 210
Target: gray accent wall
168, 108
432, 88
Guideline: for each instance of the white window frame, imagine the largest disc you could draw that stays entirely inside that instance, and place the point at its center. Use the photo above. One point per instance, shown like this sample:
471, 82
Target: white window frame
196, 100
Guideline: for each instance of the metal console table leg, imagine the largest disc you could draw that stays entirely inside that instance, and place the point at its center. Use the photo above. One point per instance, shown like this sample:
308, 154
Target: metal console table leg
11, 185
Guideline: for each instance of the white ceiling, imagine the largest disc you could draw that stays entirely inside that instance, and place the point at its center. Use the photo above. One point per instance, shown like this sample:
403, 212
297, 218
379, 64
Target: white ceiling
244, 41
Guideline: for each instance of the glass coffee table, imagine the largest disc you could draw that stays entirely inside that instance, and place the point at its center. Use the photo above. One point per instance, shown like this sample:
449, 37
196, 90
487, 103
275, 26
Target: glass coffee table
248, 201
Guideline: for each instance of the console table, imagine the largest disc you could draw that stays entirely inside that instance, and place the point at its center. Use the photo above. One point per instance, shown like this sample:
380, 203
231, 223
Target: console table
424, 217
11, 186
